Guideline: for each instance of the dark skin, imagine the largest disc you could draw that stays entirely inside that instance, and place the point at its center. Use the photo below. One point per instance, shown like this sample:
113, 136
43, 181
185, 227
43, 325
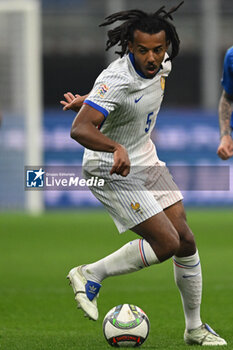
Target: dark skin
84, 130
149, 51
167, 232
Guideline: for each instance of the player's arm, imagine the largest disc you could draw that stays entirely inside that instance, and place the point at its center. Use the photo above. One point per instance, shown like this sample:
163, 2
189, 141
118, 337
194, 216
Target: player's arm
84, 130
73, 102
225, 149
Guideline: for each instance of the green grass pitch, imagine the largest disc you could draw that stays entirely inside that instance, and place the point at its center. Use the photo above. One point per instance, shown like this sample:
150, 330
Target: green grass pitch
37, 306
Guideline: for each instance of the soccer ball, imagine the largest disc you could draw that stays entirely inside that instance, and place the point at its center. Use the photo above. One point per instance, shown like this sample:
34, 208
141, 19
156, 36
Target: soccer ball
126, 326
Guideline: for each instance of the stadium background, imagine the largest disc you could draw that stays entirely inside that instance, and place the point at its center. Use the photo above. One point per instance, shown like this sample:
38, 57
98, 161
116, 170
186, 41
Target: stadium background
73, 54
37, 309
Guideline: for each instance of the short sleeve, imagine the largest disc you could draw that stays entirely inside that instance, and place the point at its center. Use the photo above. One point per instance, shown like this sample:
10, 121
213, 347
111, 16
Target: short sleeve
227, 79
109, 92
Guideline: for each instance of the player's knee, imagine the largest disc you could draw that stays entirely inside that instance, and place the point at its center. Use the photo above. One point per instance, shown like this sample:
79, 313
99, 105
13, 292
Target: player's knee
170, 247
173, 246
188, 239
187, 242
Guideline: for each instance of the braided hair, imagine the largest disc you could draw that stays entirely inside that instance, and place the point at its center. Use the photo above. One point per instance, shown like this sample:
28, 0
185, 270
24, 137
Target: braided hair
150, 23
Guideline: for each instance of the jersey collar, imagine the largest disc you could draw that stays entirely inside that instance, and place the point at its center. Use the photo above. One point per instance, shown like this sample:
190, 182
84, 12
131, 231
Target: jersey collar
132, 59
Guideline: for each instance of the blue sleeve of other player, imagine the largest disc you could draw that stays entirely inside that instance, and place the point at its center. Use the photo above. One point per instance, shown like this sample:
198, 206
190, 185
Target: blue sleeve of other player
227, 79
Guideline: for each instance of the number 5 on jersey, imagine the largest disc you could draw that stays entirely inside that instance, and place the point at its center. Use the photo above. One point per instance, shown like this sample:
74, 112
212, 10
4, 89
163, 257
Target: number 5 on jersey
148, 121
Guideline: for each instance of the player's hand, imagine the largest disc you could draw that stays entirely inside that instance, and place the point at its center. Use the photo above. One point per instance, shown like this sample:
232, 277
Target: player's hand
225, 149
121, 164
73, 102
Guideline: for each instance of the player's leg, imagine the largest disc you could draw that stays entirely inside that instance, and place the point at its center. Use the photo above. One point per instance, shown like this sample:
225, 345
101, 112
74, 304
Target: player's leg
130, 205
160, 243
188, 277
160, 233
187, 268
176, 214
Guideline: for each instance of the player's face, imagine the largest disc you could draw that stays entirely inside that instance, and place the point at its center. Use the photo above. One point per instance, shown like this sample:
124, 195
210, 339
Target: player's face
148, 51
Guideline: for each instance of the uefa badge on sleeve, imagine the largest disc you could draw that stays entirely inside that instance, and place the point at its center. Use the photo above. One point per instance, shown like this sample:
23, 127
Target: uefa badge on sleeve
35, 178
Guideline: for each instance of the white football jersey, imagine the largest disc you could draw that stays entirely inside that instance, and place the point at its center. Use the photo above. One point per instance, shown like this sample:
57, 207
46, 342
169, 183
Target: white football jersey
130, 104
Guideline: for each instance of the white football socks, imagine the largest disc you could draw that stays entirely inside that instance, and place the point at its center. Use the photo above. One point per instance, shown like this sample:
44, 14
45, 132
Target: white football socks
133, 256
188, 277
138, 254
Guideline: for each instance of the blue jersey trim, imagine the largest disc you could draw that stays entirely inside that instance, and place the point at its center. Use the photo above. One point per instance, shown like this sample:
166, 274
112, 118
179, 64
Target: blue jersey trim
132, 59
99, 108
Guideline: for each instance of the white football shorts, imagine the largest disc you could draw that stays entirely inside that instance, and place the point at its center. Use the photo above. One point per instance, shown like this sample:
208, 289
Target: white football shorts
130, 200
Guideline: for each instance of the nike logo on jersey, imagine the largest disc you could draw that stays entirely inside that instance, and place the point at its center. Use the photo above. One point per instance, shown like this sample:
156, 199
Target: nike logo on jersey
138, 99
190, 276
